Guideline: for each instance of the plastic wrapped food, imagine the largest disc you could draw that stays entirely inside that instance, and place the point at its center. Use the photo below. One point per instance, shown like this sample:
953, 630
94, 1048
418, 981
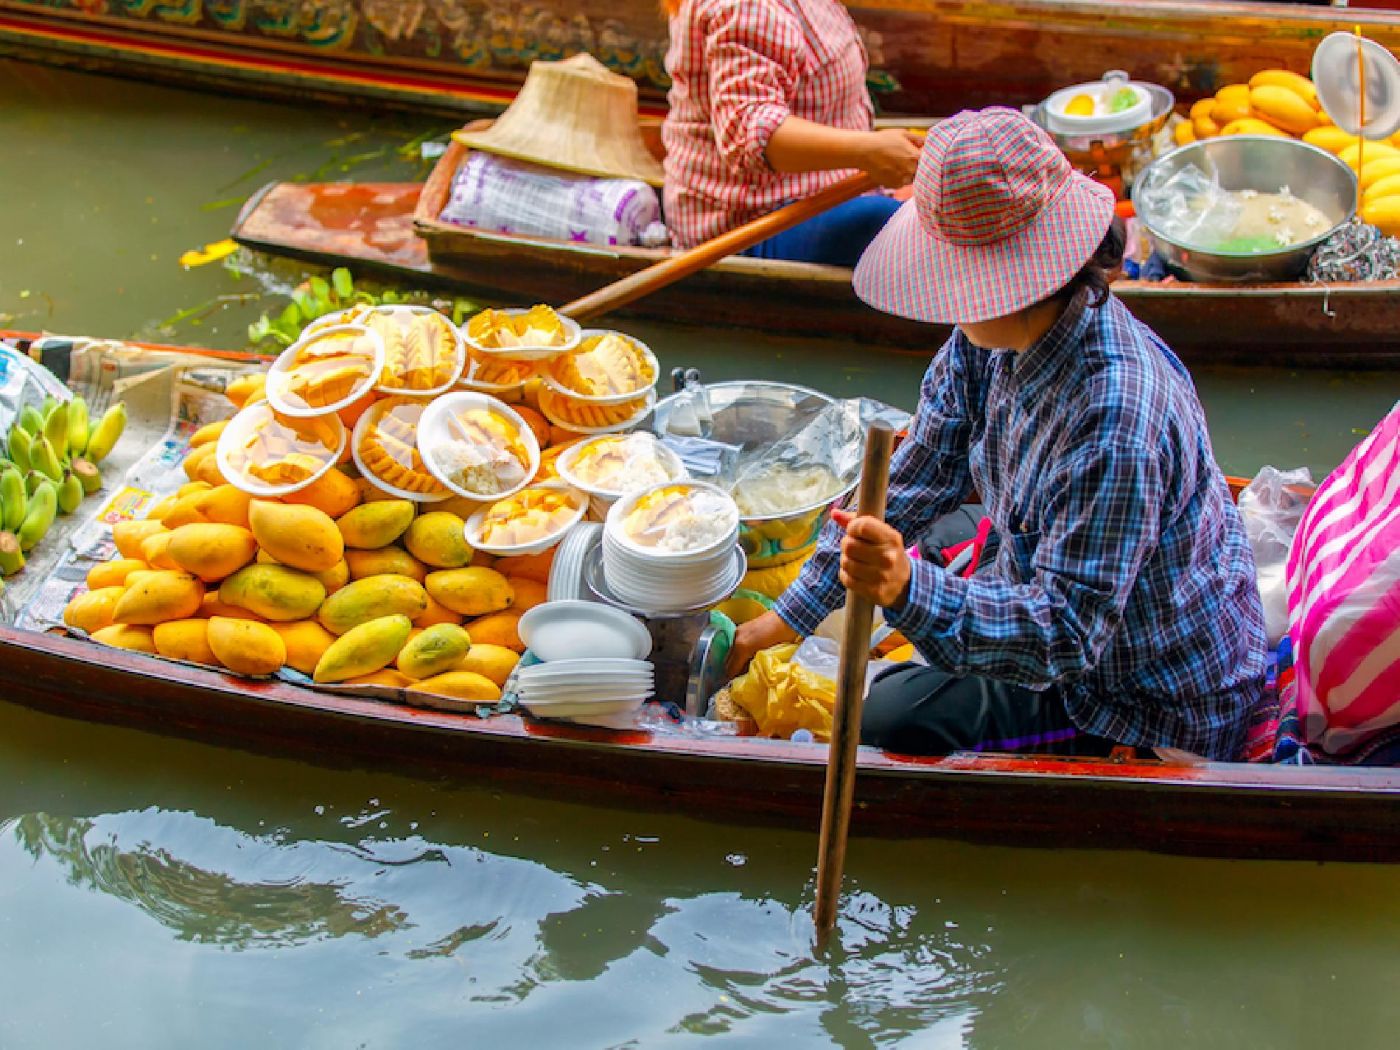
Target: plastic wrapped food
266, 453
680, 518
477, 446
606, 365
615, 465
532, 334
325, 371
385, 449
1193, 209
423, 352
782, 488
586, 417
533, 516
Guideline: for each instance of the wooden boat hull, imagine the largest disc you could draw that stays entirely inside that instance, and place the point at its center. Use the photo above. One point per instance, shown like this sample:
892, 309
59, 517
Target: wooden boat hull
927, 56
1213, 809
369, 227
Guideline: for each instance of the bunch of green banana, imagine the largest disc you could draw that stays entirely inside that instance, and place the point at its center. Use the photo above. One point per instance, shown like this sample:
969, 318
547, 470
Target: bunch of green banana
48, 463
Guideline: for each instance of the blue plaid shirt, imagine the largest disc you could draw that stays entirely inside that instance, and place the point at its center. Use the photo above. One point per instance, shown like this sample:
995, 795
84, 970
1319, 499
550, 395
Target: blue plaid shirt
1123, 577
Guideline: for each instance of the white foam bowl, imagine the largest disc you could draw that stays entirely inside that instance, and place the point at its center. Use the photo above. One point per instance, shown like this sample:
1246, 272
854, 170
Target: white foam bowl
435, 429
279, 374
603, 399
642, 555
575, 632
573, 334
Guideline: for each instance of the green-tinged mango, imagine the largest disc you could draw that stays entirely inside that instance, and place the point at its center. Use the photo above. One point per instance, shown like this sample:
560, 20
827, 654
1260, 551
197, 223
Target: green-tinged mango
274, 592
31, 420
363, 600
70, 494
88, 476
38, 516
79, 427
105, 434
13, 498
363, 649
43, 459
470, 592
373, 525
439, 539
437, 649
19, 444
300, 536
159, 596
11, 557
56, 431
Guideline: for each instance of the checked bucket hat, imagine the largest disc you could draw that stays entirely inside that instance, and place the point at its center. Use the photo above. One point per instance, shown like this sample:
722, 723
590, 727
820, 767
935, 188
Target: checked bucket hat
998, 221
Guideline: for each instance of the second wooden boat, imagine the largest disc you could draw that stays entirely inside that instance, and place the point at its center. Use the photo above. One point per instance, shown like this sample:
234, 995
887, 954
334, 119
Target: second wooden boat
393, 229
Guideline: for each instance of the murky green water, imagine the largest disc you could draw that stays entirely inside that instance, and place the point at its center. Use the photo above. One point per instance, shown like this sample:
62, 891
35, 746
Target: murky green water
161, 893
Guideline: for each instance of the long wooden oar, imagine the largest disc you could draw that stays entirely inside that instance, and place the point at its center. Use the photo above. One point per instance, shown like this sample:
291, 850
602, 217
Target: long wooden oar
682, 265
850, 698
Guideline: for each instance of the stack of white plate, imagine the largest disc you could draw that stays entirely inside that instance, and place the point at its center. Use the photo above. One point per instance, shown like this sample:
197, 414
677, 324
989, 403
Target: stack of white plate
594, 668
652, 574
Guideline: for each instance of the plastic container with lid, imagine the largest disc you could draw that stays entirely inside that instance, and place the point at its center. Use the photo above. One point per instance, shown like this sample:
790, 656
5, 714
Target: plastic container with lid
675, 521
477, 445
326, 370
535, 333
607, 368
424, 352
267, 454
1108, 106
385, 448
527, 522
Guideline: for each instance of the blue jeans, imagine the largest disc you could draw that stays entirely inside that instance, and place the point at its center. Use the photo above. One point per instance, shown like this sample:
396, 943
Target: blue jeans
836, 237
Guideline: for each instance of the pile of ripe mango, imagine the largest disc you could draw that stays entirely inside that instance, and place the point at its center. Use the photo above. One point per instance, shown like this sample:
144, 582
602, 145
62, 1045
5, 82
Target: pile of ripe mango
1277, 102
338, 581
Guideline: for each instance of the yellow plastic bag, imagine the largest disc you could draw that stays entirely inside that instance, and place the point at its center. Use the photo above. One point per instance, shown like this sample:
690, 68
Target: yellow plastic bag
783, 697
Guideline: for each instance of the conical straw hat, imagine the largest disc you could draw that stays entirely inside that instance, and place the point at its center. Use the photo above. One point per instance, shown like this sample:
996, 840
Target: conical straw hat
574, 115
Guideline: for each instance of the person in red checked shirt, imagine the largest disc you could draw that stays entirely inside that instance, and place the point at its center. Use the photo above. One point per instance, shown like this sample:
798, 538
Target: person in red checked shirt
768, 105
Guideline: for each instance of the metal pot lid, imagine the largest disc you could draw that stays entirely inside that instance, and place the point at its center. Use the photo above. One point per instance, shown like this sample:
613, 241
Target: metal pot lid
1336, 72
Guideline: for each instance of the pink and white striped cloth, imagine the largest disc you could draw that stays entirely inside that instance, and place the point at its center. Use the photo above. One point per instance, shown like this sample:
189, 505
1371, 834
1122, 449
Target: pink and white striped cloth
1344, 597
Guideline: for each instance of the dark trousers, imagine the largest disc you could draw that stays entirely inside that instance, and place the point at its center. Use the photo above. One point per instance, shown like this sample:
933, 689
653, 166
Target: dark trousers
915, 710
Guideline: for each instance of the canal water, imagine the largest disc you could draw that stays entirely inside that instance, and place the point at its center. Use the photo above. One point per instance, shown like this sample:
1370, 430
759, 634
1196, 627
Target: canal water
158, 893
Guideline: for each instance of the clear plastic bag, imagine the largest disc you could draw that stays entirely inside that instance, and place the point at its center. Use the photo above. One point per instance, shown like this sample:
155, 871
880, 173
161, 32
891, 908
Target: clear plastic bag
1189, 206
1271, 506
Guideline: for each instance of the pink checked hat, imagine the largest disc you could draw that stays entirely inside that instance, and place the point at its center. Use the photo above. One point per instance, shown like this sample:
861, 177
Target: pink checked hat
998, 221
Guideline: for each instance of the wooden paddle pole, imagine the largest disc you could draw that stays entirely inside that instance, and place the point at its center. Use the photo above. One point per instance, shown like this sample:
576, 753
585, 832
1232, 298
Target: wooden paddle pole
850, 698
683, 264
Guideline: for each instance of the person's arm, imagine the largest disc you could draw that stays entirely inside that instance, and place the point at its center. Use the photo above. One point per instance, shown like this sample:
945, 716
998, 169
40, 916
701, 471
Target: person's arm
756, 57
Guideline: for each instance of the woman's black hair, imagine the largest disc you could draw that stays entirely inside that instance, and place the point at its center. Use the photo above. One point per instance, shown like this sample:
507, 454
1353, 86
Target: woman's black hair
1102, 268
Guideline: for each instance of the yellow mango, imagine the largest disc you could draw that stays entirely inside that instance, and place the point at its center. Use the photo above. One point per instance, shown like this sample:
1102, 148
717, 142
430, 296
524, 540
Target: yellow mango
1251, 126
158, 597
1282, 108
373, 525
225, 505
113, 573
439, 648
436, 613
274, 592
1298, 85
208, 434
161, 508
1382, 212
184, 640
244, 387
528, 593
1386, 187
209, 472
93, 610
155, 551
459, 685
135, 576
195, 458
384, 676
298, 536
1374, 170
129, 535
502, 628
334, 578
1202, 107
363, 600
185, 510
334, 493
1184, 133
531, 566
471, 591
1329, 137
1231, 104
126, 636
371, 493
246, 646
392, 560
193, 488
306, 642
1358, 153
439, 539
494, 662
461, 506
211, 606
363, 649
211, 551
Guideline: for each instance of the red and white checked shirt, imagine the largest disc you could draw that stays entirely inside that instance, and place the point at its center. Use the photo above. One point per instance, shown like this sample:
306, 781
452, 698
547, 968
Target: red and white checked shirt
739, 68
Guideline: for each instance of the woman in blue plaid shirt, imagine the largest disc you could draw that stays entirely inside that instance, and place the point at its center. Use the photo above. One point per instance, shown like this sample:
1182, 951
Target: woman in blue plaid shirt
1122, 606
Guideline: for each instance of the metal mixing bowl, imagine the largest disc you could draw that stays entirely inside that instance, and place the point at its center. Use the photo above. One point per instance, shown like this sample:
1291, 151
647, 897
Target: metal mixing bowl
753, 415
1254, 162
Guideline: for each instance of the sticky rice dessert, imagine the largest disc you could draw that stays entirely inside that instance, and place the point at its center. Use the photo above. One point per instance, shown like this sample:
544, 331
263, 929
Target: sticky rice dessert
531, 516
782, 490
680, 518
618, 464
386, 450
422, 351
264, 452
483, 453
606, 365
